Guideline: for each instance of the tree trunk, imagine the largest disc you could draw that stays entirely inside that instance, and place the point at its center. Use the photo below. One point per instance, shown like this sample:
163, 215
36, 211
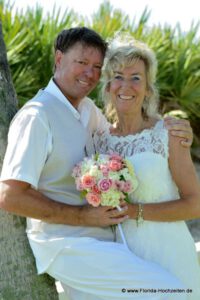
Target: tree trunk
18, 276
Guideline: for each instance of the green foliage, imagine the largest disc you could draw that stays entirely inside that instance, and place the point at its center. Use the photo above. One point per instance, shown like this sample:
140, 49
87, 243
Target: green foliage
29, 38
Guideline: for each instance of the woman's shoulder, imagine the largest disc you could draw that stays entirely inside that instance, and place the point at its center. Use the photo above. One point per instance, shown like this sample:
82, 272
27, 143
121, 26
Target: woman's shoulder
112, 130
102, 132
155, 123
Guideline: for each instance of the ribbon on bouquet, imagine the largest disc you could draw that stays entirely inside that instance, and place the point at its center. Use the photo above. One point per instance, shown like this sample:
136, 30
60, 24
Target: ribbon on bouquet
121, 231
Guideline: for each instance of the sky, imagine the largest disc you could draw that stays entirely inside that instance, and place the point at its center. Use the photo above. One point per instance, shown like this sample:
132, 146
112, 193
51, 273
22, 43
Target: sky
162, 11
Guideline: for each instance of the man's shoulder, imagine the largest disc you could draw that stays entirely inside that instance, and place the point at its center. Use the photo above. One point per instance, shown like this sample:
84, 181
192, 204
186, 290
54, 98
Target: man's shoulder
32, 108
39, 101
90, 104
89, 101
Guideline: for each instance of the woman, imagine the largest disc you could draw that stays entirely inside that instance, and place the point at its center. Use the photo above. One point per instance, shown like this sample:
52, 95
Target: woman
168, 190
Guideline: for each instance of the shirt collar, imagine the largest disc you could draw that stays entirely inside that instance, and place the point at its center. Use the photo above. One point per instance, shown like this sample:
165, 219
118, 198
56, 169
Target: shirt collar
53, 89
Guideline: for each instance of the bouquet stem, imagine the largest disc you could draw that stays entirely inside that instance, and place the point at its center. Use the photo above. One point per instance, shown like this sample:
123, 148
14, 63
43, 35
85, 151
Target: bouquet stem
121, 232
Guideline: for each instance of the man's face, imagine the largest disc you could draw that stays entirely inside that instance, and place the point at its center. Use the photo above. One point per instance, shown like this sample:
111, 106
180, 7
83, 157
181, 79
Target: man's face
78, 71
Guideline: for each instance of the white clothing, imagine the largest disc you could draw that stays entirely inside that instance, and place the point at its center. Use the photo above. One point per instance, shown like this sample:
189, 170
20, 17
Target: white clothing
38, 152
47, 138
104, 269
30, 137
167, 243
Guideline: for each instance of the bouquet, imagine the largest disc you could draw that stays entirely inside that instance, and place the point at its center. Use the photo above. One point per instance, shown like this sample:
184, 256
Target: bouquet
105, 180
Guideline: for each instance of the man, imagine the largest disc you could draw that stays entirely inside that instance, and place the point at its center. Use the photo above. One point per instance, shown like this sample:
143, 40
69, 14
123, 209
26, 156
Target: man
71, 241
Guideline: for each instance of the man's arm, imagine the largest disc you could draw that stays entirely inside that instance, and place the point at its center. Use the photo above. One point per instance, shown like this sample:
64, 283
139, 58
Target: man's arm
20, 198
29, 144
180, 128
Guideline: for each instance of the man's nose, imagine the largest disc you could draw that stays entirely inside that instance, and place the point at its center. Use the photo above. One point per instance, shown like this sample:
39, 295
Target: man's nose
89, 71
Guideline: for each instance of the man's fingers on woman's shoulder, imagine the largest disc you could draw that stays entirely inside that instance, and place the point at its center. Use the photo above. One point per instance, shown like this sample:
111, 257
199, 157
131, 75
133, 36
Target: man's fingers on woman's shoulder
186, 143
176, 123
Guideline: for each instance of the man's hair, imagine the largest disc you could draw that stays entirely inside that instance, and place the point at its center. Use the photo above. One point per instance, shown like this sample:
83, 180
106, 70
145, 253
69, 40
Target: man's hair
67, 38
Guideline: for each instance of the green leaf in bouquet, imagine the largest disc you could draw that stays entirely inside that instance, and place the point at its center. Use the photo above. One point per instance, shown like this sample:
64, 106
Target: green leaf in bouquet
122, 178
83, 194
126, 197
96, 156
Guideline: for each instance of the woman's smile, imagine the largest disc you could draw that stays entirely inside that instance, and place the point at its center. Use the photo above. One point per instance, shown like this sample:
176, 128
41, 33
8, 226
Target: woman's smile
126, 98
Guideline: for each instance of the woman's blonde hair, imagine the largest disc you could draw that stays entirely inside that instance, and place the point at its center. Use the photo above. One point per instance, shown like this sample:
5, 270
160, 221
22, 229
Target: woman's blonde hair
124, 51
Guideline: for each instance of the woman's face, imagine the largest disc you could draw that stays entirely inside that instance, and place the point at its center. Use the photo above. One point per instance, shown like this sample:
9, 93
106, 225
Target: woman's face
128, 88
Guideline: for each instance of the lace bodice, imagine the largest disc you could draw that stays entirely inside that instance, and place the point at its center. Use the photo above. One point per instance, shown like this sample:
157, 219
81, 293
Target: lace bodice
153, 140
148, 153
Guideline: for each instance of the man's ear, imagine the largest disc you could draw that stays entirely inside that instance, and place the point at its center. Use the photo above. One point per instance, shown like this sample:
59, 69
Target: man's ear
58, 57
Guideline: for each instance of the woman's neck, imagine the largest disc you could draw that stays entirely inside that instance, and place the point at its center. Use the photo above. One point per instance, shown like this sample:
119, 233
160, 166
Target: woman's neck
129, 125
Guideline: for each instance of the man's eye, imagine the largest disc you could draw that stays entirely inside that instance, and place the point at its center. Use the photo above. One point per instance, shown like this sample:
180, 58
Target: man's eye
98, 67
81, 62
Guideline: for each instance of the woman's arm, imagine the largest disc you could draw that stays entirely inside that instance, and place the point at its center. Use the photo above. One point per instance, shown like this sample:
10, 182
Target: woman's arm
185, 177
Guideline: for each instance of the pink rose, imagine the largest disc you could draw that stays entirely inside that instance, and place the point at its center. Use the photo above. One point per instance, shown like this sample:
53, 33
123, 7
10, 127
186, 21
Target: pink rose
127, 186
115, 165
95, 189
115, 156
119, 185
93, 199
104, 184
105, 170
87, 181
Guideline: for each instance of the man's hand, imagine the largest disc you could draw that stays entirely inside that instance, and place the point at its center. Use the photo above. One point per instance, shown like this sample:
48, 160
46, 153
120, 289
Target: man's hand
102, 216
180, 128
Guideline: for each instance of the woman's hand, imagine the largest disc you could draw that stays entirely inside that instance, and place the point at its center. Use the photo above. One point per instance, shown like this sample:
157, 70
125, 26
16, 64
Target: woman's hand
180, 128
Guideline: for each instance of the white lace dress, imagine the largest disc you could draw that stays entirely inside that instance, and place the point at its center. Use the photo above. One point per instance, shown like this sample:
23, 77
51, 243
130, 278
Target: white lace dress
167, 243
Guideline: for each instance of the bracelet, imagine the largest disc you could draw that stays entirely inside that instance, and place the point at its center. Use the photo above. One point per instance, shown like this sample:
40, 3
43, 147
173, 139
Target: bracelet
139, 218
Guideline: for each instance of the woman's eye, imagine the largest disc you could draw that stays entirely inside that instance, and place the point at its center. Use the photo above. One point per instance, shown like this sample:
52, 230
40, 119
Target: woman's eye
136, 78
118, 77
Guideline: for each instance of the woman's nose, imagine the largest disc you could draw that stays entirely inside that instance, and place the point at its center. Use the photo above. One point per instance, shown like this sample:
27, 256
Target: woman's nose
126, 82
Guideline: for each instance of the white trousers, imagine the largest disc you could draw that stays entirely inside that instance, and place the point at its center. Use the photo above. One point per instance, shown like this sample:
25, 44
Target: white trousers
89, 269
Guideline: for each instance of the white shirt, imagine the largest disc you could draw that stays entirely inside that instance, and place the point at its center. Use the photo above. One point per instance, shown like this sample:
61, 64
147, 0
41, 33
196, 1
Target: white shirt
21, 132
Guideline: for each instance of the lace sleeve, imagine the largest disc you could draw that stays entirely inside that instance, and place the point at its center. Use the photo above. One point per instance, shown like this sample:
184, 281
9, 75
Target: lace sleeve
100, 141
160, 133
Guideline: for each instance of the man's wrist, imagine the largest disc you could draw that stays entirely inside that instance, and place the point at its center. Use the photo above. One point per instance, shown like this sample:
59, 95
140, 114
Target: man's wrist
80, 216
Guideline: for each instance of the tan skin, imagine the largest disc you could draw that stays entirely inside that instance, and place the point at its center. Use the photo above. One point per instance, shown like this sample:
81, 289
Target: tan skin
77, 73
127, 90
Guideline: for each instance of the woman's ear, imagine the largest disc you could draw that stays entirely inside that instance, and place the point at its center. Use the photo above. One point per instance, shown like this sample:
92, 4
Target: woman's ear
108, 87
147, 93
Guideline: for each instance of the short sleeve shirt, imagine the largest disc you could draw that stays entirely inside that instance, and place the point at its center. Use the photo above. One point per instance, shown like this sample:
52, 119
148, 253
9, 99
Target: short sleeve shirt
30, 138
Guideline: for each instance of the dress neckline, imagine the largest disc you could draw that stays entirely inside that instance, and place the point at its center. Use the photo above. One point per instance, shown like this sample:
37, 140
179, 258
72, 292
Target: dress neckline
131, 135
